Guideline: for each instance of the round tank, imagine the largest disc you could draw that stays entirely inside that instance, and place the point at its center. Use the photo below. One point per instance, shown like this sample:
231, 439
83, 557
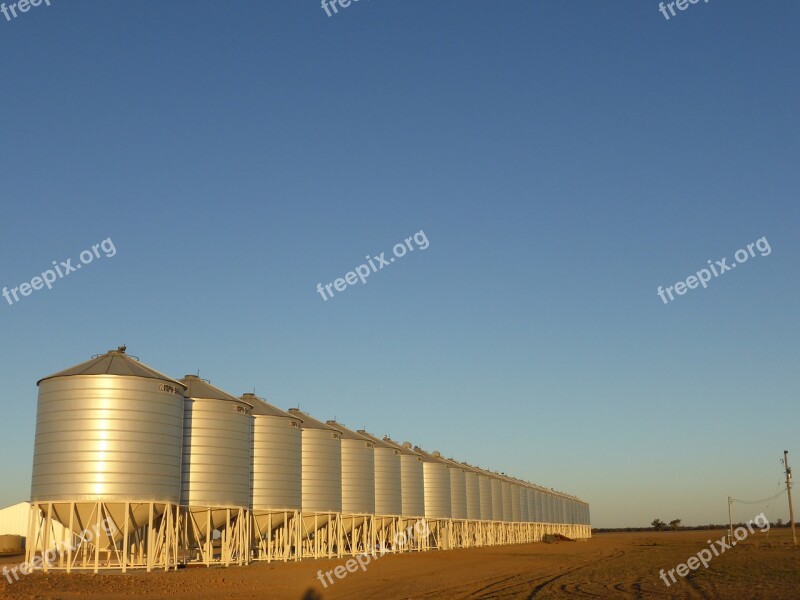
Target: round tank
388, 472
412, 480
497, 499
277, 457
108, 429
217, 433
506, 491
458, 490
485, 487
551, 508
531, 505
437, 486
472, 478
321, 465
358, 471
516, 512
523, 503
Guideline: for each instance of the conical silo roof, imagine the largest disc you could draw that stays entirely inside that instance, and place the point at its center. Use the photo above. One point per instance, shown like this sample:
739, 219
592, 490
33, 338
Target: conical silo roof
263, 408
113, 362
309, 422
347, 434
202, 388
379, 443
434, 456
404, 447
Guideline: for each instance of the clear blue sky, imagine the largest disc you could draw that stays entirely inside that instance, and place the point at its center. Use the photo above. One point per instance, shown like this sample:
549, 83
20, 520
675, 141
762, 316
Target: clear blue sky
564, 159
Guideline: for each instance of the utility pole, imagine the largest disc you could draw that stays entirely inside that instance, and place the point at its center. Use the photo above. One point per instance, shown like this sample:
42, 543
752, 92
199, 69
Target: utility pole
730, 519
789, 492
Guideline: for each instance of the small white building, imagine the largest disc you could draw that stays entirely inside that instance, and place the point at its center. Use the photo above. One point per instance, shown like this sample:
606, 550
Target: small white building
14, 521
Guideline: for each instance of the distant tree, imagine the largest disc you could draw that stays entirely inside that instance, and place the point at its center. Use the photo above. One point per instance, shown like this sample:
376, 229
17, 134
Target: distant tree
779, 523
658, 524
675, 523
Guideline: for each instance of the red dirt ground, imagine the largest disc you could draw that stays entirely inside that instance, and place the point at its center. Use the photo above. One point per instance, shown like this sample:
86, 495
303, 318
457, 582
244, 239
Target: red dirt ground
614, 565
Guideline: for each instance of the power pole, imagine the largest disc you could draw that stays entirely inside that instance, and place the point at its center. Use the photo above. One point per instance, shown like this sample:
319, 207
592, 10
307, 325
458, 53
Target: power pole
730, 519
789, 492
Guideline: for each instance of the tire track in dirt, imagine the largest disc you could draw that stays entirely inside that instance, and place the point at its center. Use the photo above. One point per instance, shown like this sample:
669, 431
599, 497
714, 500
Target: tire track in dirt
539, 588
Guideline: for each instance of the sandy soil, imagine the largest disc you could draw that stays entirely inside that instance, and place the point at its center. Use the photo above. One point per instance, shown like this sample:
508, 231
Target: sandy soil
619, 565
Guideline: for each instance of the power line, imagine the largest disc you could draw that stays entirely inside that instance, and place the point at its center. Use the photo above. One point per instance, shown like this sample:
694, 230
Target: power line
760, 501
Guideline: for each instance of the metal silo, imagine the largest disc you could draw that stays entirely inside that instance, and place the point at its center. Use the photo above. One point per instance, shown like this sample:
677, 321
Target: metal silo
473, 480
108, 443
277, 475
217, 446
485, 488
437, 485
322, 487
388, 487
412, 480
358, 471
321, 465
532, 504
523, 503
217, 434
358, 489
559, 509
497, 498
388, 496
507, 505
276, 478
458, 489
516, 512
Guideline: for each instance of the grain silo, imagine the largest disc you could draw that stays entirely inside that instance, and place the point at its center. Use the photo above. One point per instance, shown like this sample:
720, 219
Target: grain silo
108, 451
388, 489
458, 489
505, 486
516, 512
438, 509
473, 479
523, 502
412, 480
550, 505
497, 497
388, 494
532, 517
217, 446
276, 480
358, 489
437, 485
322, 487
485, 489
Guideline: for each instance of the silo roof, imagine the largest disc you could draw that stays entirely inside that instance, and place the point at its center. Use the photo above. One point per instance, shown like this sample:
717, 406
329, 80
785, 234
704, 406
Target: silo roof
113, 362
263, 408
405, 447
434, 457
309, 422
347, 434
201, 388
379, 443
